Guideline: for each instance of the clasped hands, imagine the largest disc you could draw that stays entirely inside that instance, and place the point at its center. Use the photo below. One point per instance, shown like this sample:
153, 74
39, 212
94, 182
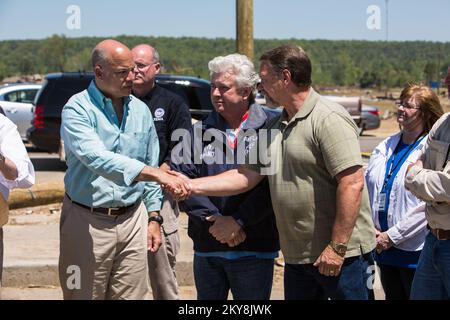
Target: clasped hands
226, 230
177, 184
383, 241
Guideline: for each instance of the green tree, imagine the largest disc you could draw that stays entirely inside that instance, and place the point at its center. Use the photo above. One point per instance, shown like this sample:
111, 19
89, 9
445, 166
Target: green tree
54, 52
81, 61
3, 71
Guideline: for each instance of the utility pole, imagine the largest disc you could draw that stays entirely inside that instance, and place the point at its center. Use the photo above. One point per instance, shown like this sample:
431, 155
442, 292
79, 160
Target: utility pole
244, 28
438, 69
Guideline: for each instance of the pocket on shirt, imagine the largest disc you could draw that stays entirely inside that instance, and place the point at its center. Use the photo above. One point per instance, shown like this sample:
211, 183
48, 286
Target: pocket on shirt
438, 151
135, 145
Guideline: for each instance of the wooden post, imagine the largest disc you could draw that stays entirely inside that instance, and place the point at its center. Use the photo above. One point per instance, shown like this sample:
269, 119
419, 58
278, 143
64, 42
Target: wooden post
244, 27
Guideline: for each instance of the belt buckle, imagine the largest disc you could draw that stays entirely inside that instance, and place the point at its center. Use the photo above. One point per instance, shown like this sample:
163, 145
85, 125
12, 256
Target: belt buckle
111, 209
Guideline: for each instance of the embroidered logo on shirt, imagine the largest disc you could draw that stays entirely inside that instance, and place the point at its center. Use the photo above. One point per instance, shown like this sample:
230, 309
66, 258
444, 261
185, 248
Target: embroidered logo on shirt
208, 152
159, 114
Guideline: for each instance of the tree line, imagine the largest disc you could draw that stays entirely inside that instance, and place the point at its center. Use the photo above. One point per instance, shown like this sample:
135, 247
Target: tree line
335, 63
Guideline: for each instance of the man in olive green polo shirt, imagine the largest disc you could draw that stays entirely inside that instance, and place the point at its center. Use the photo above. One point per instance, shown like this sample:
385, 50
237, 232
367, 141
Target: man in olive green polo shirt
316, 184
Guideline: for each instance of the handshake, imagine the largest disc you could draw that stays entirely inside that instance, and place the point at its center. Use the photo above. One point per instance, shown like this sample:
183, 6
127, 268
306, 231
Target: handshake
177, 184
224, 229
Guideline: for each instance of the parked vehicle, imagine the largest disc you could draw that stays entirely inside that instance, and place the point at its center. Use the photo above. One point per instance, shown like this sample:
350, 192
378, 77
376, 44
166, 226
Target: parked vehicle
352, 104
59, 87
370, 117
16, 104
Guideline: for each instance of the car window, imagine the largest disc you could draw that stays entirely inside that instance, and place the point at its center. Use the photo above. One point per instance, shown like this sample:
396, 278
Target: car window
196, 97
24, 96
12, 96
192, 97
29, 95
177, 89
204, 97
59, 92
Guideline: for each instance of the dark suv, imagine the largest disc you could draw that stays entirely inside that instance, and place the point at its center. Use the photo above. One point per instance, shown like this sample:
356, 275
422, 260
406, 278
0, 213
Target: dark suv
59, 87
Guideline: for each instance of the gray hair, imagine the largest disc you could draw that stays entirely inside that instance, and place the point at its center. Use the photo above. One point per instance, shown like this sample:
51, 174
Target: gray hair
155, 56
98, 56
240, 65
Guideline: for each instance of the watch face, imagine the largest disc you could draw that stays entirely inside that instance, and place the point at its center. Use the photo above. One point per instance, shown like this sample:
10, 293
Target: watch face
158, 219
341, 249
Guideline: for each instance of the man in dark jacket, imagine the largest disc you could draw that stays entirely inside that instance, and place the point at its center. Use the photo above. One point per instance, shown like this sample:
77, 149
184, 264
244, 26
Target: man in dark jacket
169, 113
235, 238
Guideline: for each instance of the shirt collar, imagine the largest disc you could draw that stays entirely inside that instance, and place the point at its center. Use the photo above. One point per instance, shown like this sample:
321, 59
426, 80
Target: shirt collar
152, 92
100, 99
308, 106
256, 118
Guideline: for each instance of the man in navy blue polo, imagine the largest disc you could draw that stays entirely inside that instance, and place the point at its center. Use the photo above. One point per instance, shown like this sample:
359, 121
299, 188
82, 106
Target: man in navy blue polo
170, 113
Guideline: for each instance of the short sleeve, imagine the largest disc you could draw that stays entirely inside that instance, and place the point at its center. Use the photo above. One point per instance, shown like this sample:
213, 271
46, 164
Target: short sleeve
338, 141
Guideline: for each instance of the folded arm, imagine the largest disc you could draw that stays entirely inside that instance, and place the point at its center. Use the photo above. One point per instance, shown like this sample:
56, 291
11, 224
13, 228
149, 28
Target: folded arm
428, 185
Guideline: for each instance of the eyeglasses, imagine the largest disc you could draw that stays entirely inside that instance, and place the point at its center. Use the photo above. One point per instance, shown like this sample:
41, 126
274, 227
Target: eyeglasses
405, 105
141, 66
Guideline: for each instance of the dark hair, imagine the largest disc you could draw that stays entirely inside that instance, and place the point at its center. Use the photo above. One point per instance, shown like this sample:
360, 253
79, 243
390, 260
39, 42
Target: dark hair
292, 58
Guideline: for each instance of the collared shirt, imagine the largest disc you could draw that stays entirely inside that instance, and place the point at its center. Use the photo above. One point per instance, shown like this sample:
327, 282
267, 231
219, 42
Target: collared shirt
432, 182
307, 153
11, 146
406, 214
104, 156
170, 113
253, 208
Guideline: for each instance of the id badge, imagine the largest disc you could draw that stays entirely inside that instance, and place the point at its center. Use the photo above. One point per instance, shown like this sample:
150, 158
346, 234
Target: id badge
381, 201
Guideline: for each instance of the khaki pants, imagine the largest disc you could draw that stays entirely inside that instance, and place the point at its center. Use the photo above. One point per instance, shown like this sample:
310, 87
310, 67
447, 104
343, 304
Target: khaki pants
103, 257
162, 263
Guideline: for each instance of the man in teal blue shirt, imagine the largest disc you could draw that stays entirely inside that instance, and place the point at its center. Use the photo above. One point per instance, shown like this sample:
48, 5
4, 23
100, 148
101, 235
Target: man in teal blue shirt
111, 144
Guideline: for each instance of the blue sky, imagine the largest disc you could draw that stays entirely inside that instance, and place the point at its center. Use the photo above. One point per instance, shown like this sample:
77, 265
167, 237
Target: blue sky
280, 19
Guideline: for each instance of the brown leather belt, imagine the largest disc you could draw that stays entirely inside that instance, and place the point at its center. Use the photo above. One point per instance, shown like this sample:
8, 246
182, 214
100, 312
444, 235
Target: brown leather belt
108, 211
441, 234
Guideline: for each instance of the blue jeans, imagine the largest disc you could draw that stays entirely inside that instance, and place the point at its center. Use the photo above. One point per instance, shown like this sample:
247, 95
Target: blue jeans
432, 278
248, 278
304, 282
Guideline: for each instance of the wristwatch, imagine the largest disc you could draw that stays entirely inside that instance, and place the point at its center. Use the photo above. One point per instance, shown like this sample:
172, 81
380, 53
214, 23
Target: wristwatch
339, 248
157, 218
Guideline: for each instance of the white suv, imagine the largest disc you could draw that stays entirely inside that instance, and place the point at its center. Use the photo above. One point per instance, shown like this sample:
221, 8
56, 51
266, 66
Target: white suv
16, 102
